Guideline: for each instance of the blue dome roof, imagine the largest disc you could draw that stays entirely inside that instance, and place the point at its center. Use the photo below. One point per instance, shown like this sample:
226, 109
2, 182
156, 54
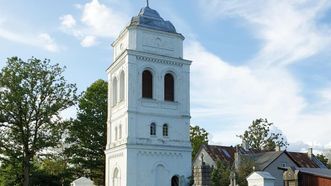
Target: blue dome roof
150, 18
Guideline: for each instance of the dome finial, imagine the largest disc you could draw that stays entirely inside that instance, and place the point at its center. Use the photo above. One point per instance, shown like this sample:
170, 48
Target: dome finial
147, 1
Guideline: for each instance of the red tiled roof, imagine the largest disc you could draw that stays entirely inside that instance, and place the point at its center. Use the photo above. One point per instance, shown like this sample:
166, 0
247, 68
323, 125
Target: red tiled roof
302, 160
221, 153
226, 153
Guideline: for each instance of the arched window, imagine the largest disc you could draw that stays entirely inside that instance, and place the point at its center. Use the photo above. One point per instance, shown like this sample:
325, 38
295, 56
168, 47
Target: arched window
147, 84
161, 175
116, 133
169, 88
116, 177
165, 130
152, 129
120, 132
175, 181
122, 86
114, 91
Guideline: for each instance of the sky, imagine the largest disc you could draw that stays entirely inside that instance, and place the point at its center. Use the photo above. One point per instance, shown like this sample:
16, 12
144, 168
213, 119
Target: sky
251, 59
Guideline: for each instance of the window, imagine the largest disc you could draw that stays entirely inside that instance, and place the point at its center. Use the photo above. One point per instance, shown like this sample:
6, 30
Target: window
175, 181
114, 91
115, 133
120, 132
116, 177
165, 130
153, 129
122, 86
169, 87
147, 84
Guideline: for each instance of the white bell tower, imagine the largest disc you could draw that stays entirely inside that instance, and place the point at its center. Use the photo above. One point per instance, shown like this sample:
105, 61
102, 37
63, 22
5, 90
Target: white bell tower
148, 106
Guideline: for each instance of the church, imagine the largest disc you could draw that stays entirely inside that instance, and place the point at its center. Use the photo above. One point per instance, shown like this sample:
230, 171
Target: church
148, 121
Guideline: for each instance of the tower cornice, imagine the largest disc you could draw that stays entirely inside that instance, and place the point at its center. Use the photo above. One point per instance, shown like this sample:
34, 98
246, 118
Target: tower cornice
149, 57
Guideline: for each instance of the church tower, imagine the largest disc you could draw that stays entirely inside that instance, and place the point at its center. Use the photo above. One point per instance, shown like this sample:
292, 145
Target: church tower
148, 106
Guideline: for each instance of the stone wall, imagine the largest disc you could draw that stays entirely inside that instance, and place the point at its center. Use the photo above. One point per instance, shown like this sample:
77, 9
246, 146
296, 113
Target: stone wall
202, 175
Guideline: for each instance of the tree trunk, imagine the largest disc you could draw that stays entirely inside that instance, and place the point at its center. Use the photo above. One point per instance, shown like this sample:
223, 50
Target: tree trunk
26, 168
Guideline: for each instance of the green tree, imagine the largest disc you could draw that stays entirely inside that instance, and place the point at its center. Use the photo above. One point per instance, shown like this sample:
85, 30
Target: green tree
220, 174
31, 97
245, 168
323, 159
258, 136
51, 171
198, 137
87, 133
10, 172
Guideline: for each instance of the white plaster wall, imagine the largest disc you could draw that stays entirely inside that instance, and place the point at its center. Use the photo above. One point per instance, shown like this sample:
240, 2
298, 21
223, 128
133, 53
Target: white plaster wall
206, 158
143, 163
116, 158
150, 41
260, 182
137, 153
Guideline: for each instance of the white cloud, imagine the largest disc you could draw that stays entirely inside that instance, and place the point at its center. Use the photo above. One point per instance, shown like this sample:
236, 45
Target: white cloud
97, 20
88, 41
68, 21
235, 95
326, 94
42, 40
103, 21
48, 42
288, 29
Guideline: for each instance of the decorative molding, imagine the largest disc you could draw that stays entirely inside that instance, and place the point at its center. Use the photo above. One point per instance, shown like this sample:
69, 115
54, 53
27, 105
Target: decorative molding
160, 154
155, 60
117, 155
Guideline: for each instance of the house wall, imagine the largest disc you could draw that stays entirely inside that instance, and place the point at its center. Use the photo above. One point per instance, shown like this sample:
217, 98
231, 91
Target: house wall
206, 158
308, 180
202, 172
277, 173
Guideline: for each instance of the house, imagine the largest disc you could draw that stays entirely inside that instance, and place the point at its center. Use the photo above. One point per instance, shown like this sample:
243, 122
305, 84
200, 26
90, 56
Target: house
268, 161
307, 176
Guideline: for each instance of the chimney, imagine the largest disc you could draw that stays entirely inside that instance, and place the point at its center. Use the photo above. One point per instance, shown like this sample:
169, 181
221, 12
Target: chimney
310, 153
277, 148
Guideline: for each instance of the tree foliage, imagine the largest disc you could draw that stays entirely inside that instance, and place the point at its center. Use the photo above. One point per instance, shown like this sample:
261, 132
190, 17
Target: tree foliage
220, 174
198, 137
32, 94
259, 137
87, 133
324, 160
51, 171
245, 168
10, 172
